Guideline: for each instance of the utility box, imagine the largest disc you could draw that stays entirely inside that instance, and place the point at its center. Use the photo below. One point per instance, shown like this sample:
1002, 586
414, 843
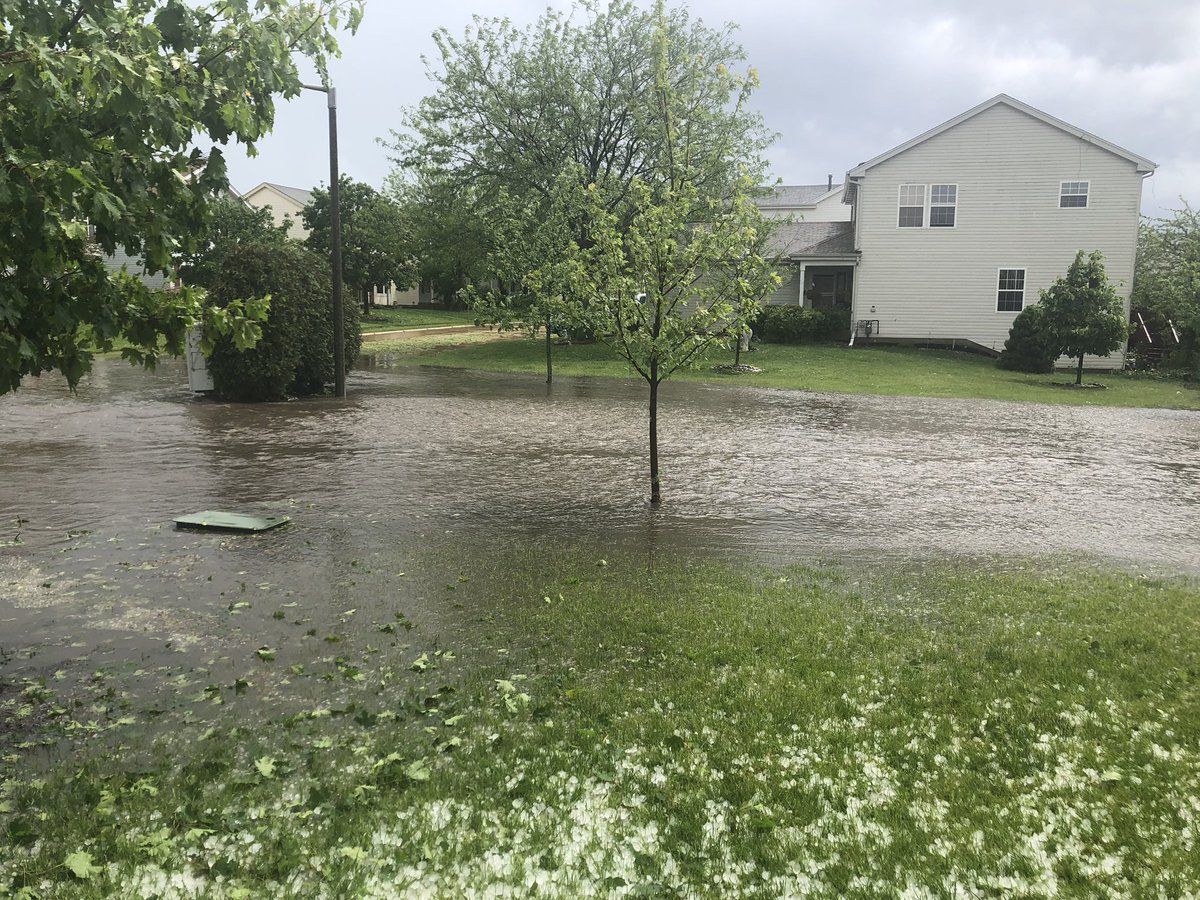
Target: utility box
199, 378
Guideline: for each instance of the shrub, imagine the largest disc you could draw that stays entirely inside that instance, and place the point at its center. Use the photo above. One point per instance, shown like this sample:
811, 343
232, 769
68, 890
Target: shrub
1030, 346
799, 324
294, 355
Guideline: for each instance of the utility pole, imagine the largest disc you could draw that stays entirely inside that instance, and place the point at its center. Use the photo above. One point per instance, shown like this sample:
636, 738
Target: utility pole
339, 318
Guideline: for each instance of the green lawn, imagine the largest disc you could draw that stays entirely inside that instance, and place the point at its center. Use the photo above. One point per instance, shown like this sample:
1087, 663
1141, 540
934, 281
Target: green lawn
681, 730
397, 318
893, 371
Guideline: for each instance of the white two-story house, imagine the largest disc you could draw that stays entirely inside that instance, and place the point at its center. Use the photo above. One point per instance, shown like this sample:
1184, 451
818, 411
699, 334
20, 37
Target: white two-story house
959, 229
954, 232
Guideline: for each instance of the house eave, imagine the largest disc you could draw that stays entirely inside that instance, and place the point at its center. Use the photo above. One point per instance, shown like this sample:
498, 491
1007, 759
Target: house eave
1142, 164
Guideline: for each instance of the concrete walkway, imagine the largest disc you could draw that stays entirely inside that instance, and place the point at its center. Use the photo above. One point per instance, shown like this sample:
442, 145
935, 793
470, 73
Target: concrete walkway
406, 333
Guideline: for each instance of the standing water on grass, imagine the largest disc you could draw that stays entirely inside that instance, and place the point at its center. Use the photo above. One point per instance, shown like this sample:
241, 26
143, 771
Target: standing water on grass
416, 460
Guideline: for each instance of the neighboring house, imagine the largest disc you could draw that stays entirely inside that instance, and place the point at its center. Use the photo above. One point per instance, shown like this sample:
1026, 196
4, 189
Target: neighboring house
136, 266
817, 237
286, 204
955, 231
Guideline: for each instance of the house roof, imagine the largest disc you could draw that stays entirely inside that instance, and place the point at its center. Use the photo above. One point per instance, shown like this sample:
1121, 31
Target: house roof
298, 195
788, 195
820, 239
1143, 165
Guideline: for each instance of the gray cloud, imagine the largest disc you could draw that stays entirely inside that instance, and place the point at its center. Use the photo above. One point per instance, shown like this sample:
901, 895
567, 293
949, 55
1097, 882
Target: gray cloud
841, 82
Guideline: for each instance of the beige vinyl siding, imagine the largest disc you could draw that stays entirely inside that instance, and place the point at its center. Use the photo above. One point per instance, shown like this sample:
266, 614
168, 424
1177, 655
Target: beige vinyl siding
831, 209
788, 292
940, 283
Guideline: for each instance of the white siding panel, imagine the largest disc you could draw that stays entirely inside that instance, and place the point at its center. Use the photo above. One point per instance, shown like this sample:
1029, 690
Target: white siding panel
940, 283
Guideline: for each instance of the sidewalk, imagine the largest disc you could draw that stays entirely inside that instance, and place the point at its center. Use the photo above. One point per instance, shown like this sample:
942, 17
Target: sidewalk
404, 333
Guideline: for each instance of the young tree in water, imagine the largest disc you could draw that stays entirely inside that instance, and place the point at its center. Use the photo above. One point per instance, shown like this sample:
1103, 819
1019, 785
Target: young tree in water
1082, 312
101, 103
682, 264
514, 109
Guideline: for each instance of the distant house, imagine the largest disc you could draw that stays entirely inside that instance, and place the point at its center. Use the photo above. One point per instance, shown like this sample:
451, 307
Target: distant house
286, 203
954, 232
817, 238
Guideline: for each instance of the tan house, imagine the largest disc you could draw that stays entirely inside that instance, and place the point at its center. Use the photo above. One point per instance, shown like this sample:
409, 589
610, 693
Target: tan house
286, 204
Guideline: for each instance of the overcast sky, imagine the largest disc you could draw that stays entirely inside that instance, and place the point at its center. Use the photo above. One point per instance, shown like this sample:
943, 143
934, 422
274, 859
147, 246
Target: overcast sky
841, 83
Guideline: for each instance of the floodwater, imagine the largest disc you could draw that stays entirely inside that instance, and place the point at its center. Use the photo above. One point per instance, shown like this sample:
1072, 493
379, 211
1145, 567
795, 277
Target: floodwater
420, 459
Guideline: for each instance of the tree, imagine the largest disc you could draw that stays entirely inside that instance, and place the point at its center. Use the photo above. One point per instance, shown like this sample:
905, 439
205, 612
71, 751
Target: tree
1082, 312
515, 109
681, 266
376, 246
101, 103
232, 224
684, 275
1030, 347
1166, 282
294, 356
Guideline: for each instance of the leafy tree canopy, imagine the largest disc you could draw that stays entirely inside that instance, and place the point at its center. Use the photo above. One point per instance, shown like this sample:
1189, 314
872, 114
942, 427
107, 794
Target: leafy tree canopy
376, 244
100, 104
576, 94
1166, 281
231, 224
1082, 312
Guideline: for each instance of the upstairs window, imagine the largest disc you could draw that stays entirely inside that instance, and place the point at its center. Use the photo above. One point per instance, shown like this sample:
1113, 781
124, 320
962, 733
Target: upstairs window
1072, 195
912, 206
1010, 290
943, 200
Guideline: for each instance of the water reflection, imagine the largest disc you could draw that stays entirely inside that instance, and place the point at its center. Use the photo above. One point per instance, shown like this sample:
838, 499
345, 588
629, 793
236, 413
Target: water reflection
482, 454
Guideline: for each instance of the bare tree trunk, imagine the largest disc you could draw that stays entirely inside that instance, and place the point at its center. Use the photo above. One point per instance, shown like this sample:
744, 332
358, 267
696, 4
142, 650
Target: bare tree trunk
655, 483
366, 301
737, 353
549, 354
1079, 371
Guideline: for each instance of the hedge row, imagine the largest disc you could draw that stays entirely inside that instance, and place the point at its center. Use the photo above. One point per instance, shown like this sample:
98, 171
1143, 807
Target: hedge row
801, 325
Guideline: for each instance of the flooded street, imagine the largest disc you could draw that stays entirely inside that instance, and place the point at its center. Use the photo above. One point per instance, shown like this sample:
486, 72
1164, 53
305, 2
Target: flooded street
476, 466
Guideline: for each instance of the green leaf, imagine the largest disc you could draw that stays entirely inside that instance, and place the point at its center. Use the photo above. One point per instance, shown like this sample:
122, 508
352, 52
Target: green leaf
265, 766
80, 865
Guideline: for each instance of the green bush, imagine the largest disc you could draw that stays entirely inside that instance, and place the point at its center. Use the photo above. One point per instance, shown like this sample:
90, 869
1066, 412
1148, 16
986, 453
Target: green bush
1030, 346
295, 354
800, 325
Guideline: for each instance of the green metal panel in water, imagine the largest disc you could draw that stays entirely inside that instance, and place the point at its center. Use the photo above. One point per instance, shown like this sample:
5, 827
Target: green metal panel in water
227, 521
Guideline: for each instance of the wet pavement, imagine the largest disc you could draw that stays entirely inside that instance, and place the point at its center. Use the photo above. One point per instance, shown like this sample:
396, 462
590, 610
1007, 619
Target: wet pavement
439, 474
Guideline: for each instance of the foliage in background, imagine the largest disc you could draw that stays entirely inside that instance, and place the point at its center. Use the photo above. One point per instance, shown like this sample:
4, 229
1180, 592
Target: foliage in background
231, 224
376, 244
514, 109
294, 356
450, 243
1166, 283
100, 106
1082, 313
1029, 347
801, 325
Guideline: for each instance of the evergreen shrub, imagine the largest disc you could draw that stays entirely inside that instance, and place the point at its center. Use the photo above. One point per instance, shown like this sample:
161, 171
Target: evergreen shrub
1030, 346
801, 325
294, 357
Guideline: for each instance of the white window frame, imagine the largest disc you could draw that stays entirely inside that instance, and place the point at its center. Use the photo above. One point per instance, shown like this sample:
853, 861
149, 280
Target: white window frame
901, 205
1000, 270
1086, 195
942, 204
927, 205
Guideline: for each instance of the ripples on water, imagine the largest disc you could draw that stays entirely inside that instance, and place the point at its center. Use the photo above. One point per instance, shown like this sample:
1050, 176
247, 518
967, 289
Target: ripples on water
743, 468
421, 457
